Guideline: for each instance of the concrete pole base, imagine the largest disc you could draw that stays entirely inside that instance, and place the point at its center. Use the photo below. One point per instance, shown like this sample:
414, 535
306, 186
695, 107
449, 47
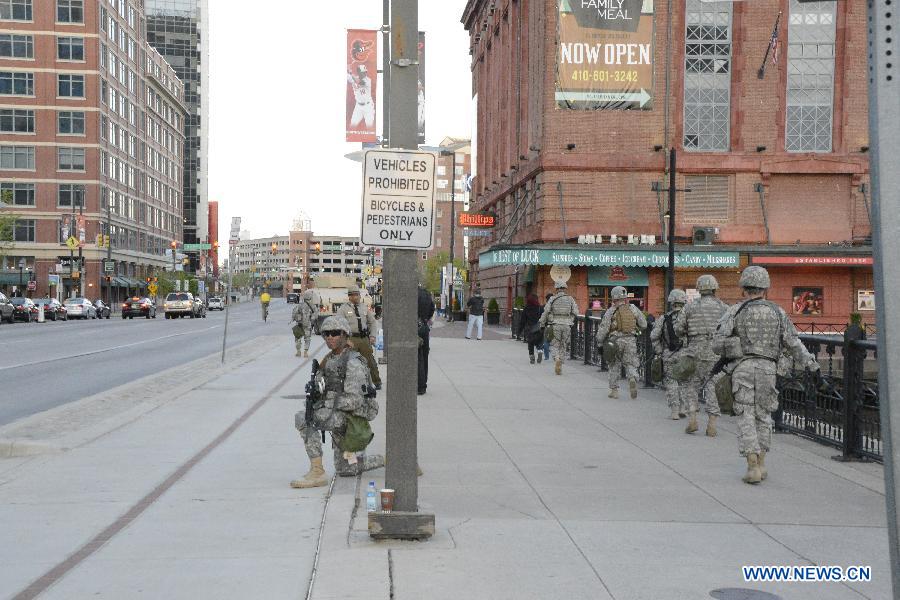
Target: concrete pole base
399, 525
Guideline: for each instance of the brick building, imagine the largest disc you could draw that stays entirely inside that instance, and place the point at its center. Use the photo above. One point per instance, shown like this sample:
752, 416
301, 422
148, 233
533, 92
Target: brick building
91, 122
777, 167
212, 266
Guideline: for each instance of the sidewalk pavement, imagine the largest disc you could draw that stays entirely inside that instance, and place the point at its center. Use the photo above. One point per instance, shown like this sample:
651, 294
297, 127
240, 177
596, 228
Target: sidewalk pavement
541, 486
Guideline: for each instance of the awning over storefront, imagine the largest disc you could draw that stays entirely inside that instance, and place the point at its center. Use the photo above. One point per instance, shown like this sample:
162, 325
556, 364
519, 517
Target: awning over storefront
627, 276
15, 278
640, 256
119, 282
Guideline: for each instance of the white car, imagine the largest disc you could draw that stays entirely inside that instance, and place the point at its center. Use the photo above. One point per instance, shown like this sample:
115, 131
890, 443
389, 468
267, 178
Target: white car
215, 303
80, 308
179, 304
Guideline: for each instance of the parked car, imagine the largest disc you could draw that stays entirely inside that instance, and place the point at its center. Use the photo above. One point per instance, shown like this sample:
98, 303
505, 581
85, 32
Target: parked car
6, 309
215, 303
138, 307
103, 309
179, 304
293, 298
25, 309
80, 308
53, 310
199, 308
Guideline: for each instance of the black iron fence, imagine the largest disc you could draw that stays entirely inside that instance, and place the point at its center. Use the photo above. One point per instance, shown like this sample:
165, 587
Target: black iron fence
832, 328
838, 406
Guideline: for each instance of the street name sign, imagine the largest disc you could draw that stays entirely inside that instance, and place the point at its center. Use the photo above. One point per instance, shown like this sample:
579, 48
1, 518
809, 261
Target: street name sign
109, 265
198, 246
398, 199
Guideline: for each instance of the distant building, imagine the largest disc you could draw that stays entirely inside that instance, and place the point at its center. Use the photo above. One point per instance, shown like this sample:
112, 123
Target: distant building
450, 183
213, 227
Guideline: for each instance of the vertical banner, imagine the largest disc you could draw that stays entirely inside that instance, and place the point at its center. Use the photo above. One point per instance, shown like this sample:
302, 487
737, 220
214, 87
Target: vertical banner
361, 77
605, 54
421, 89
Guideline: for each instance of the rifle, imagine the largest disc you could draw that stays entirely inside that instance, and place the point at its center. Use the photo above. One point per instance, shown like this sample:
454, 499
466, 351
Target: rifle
313, 394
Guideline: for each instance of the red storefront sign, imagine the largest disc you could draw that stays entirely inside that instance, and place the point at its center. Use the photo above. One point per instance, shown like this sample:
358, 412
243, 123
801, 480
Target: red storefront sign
476, 219
814, 261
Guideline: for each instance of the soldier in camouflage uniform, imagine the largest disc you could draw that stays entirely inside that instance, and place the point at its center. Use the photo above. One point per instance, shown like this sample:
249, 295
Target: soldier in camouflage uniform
666, 344
344, 376
622, 323
753, 335
302, 317
696, 325
559, 316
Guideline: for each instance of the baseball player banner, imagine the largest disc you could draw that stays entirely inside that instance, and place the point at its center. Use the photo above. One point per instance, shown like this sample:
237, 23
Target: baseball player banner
604, 57
362, 65
420, 94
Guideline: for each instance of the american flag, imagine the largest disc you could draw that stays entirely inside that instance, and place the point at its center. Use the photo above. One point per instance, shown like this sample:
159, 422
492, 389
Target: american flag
773, 44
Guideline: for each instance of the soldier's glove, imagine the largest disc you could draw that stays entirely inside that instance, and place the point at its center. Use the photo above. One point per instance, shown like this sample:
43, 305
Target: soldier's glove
813, 367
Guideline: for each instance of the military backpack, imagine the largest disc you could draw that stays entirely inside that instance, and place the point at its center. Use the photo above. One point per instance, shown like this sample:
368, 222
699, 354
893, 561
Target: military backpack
623, 320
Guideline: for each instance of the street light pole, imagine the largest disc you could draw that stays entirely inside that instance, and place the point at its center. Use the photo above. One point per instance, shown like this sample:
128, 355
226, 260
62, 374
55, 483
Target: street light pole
21, 276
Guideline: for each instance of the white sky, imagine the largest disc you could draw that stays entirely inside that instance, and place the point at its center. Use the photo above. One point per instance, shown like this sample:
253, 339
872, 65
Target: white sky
277, 109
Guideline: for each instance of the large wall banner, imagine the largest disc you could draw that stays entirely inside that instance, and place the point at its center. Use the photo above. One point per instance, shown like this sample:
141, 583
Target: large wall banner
362, 69
605, 54
420, 93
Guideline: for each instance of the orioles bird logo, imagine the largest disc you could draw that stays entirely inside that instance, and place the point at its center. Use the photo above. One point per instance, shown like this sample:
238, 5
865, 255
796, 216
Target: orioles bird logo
359, 50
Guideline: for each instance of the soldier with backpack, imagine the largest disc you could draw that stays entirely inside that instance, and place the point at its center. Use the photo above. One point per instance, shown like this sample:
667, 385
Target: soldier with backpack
621, 324
557, 320
666, 343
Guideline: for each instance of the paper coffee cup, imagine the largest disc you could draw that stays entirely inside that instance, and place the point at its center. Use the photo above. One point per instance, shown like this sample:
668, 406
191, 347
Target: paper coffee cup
387, 500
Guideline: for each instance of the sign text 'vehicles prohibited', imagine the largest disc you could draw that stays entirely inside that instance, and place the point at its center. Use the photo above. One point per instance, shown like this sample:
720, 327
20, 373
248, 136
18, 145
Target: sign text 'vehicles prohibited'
398, 199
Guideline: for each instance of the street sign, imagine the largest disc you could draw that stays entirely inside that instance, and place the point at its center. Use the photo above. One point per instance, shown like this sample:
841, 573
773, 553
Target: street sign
32, 285
152, 288
109, 265
72, 243
198, 246
201, 286
53, 280
477, 232
398, 199
476, 219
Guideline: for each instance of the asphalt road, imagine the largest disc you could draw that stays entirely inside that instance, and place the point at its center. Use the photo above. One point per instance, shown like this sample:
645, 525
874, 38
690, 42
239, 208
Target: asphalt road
44, 365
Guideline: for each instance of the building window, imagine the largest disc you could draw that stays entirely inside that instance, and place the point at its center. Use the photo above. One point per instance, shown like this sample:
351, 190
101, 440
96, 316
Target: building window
23, 231
70, 86
707, 75
16, 46
16, 121
70, 48
810, 82
70, 159
708, 201
15, 10
17, 194
70, 11
71, 122
70, 195
17, 157
18, 84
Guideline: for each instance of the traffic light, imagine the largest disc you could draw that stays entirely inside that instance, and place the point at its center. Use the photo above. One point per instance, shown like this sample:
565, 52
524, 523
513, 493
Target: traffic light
174, 245
156, 280
108, 279
274, 248
105, 240
317, 247
216, 245
148, 280
100, 239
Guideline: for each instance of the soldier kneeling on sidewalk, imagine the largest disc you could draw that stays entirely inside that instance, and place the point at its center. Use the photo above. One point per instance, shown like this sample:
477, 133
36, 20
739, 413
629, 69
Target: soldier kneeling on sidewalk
343, 379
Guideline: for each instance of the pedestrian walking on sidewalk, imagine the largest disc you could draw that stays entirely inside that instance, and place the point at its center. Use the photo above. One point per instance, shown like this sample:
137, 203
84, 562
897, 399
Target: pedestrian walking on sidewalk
362, 330
344, 379
667, 344
476, 314
531, 329
696, 325
546, 345
425, 310
621, 324
752, 336
302, 319
557, 320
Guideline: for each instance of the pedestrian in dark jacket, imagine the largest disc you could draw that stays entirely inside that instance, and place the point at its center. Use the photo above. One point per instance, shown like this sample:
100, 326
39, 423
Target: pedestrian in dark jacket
531, 328
425, 314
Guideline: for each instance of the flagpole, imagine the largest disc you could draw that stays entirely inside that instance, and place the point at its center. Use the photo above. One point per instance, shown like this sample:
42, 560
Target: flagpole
773, 46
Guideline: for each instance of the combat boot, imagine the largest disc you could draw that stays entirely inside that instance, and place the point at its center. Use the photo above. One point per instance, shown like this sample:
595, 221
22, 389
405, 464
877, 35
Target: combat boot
692, 424
753, 475
632, 388
763, 472
674, 416
306, 354
558, 368
614, 394
540, 356
298, 353
531, 359
711, 430
314, 478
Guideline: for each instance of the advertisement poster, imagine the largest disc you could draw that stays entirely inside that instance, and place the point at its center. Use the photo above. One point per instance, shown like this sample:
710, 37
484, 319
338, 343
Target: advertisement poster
604, 54
865, 299
808, 301
362, 69
421, 89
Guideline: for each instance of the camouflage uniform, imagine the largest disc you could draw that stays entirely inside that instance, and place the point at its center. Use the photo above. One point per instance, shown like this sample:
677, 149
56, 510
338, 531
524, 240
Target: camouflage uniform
302, 317
345, 375
626, 344
696, 325
559, 314
362, 326
659, 337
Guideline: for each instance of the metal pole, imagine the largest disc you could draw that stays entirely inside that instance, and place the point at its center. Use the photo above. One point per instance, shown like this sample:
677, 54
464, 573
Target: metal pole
386, 73
80, 250
227, 299
884, 130
670, 269
452, 228
400, 273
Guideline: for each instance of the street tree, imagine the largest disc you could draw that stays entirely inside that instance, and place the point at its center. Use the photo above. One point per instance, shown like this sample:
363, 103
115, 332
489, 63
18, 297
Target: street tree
430, 270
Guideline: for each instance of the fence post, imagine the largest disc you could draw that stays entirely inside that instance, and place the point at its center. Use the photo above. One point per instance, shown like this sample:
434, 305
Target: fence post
648, 351
853, 366
588, 336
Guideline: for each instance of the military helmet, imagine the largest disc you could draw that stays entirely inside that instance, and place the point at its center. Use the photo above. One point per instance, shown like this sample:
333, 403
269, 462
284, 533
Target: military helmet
706, 283
335, 322
619, 293
352, 289
677, 296
307, 295
561, 285
754, 277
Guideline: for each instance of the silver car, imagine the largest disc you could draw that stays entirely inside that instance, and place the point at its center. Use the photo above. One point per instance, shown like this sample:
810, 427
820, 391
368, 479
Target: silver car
80, 308
179, 304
